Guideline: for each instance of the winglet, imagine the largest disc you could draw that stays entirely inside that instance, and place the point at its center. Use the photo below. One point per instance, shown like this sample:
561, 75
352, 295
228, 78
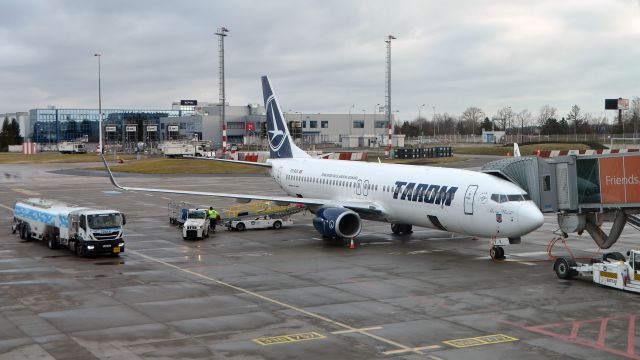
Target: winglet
516, 150
113, 180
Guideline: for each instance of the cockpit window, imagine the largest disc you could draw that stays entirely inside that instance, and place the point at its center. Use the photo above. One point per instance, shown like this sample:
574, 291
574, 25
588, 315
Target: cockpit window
500, 198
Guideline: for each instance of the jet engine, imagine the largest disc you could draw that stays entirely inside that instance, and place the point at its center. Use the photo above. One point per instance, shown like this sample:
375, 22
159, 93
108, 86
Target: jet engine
337, 222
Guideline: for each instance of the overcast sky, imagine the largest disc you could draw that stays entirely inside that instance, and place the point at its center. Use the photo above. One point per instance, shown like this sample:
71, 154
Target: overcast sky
322, 56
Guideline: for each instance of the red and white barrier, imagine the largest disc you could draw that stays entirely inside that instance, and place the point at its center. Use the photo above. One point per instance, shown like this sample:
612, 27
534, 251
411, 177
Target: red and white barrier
29, 148
554, 153
224, 139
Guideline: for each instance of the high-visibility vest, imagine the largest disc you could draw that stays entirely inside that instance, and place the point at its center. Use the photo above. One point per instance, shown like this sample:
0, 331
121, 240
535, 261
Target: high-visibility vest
212, 214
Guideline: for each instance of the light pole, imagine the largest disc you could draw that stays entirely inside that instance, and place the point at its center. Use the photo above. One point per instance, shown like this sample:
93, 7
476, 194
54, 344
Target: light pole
434, 122
99, 105
419, 121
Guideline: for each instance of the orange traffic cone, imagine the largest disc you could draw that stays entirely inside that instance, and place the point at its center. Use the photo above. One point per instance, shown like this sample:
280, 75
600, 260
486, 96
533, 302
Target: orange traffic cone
352, 245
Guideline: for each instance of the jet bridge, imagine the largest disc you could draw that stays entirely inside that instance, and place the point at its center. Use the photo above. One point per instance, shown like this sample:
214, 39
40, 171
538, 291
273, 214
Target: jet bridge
584, 190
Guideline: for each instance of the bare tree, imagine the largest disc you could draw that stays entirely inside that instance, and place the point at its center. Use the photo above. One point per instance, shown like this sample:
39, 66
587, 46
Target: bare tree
635, 114
470, 117
505, 116
546, 113
575, 116
524, 119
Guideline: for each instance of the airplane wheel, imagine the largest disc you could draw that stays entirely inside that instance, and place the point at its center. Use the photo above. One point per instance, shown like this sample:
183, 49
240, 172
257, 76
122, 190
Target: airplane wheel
241, 227
395, 228
496, 253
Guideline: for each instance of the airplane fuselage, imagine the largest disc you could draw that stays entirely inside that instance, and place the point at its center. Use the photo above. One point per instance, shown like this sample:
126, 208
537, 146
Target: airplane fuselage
455, 200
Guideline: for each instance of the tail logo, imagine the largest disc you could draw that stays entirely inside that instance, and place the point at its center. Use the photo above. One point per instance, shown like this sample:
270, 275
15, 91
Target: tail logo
276, 136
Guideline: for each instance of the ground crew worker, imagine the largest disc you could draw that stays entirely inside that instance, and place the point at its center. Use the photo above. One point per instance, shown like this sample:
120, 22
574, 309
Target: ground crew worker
213, 216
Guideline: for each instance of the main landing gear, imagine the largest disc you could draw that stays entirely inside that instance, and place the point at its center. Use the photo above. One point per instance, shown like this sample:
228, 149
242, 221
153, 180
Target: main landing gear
398, 229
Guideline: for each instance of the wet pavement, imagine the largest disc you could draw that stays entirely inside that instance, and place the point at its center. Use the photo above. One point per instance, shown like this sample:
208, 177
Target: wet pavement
287, 294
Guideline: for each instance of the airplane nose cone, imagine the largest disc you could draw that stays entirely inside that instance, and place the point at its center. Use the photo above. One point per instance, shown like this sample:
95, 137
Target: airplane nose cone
530, 218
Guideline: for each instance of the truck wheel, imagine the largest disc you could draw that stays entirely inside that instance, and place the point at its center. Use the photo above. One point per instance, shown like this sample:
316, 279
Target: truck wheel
241, 227
27, 233
562, 267
22, 237
51, 243
79, 250
277, 225
615, 256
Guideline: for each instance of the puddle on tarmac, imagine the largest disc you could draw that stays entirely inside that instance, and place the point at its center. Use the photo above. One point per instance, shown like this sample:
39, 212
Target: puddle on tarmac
114, 262
55, 256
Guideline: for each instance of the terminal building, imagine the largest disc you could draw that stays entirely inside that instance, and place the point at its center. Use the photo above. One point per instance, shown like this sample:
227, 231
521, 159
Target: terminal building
189, 119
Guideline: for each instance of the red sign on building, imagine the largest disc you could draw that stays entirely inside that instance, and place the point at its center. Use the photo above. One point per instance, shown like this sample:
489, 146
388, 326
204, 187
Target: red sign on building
251, 126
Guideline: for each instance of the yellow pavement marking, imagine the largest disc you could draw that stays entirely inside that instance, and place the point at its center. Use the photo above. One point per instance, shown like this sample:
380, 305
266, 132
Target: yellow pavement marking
356, 330
282, 339
285, 305
400, 351
25, 191
480, 340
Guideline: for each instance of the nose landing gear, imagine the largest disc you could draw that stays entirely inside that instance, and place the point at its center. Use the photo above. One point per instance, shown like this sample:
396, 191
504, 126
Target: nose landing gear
496, 253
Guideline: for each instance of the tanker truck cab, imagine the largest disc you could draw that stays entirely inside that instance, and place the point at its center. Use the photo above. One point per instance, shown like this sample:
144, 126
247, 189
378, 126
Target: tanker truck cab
96, 232
85, 231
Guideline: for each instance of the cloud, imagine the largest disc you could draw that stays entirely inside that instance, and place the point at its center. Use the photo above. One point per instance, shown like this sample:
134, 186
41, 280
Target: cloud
322, 56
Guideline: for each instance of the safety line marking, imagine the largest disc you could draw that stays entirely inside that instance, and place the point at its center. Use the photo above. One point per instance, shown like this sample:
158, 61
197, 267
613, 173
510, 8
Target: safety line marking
356, 330
480, 340
285, 305
26, 192
415, 349
283, 339
6, 207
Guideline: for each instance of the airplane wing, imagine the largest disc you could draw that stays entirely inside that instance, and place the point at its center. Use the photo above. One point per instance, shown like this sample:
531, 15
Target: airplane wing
358, 206
267, 165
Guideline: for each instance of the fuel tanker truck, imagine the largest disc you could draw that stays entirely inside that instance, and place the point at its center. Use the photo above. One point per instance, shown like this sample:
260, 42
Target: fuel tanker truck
85, 231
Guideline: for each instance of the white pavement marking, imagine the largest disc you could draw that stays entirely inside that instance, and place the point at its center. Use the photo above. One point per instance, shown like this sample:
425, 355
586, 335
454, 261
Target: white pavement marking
6, 207
166, 198
402, 348
400, 351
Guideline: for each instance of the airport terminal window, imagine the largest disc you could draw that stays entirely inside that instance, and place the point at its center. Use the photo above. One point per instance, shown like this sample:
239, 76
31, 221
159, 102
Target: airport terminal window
381, 124
358, 124
324, 124
304, 124
313, 124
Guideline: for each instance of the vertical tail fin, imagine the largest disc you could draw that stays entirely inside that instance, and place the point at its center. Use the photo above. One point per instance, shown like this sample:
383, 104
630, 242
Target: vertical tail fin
281, 144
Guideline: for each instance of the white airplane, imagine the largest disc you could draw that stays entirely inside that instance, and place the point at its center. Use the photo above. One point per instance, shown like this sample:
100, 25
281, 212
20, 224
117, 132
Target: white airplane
341, 193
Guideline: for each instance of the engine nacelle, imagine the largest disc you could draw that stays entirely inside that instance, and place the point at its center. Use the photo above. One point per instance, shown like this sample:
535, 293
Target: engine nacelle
337, 222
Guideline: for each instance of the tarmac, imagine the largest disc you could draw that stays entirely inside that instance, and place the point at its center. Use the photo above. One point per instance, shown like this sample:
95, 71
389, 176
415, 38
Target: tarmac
288, 294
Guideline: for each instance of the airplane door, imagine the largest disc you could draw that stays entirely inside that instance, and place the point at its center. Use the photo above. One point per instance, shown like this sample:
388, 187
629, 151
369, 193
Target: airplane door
468, 199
